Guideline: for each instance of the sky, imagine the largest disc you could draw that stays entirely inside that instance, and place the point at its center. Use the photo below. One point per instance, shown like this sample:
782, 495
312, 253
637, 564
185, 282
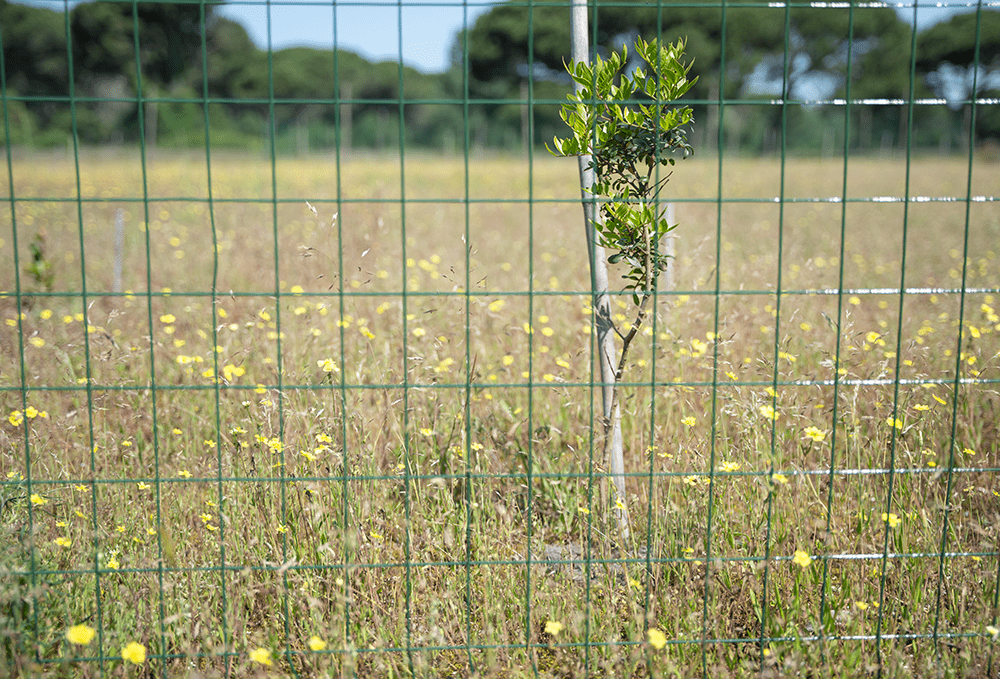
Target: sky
371, 28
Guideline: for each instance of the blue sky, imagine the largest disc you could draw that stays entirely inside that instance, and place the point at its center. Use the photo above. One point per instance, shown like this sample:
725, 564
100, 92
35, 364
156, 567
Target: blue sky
372, 28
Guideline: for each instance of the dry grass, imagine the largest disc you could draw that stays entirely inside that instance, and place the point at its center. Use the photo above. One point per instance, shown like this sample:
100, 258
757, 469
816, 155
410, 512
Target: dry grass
387, 506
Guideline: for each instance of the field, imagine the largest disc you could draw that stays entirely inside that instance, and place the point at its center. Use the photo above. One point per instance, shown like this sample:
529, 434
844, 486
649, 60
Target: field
261, 458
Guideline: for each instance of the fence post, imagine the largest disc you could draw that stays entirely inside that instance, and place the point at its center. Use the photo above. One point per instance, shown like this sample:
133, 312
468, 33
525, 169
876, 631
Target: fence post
119, 248
601, 301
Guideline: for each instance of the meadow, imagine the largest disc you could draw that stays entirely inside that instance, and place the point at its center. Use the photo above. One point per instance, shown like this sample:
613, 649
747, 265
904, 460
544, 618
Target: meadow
261, 458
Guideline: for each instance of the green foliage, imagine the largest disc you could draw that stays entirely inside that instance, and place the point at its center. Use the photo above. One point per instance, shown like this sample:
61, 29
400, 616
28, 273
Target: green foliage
626, 143
169, 38
752, 41
19, 121
41, 268
953, 41
946, 54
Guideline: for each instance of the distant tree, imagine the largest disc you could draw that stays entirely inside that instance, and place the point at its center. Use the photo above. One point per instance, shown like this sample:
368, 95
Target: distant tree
946, 56
954, 42
754, 41
34, 53
34, 48
104, 37
102, 40
236, 68
169, 38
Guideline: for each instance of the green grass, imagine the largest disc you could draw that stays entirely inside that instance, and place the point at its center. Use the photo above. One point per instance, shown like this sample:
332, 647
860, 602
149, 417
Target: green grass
387, 505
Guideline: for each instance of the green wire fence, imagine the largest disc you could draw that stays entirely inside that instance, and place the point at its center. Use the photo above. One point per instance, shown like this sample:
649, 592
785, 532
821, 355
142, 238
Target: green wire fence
301, 399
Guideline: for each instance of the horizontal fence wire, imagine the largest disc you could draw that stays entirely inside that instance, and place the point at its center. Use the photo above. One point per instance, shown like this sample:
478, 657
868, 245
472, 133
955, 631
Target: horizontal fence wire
338, 408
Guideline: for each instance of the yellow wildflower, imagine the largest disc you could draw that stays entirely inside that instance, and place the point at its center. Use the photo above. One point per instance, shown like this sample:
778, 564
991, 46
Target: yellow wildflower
134, 653
802, 558
261, 656
657, 639
81, 635
891, 519
328, 365
815, 433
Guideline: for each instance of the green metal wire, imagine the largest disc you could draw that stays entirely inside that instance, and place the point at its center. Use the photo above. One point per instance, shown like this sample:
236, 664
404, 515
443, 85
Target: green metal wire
715, 345
89, 386
823, 625
595, 342
475, 481
958, 340
341, 387
930, 102
157, 481
647, 579
220, 498
22, 387
468, 451
764, 649
893, 440
279, 359
406, 387
530, 464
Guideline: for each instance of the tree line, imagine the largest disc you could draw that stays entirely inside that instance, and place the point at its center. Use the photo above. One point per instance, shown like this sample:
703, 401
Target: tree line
196, 69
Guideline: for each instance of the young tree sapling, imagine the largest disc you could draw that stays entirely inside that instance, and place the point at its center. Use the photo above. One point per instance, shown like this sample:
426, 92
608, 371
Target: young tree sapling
627, 126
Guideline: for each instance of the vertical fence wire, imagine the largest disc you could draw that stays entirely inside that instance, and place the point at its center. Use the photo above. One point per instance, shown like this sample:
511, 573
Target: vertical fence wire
85, 309
153, 392
471, 456
895, 410
958, 345
721, 103
341, 333
407, 432
220, 497
772, 414
414, 651
840, 316
530, 464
